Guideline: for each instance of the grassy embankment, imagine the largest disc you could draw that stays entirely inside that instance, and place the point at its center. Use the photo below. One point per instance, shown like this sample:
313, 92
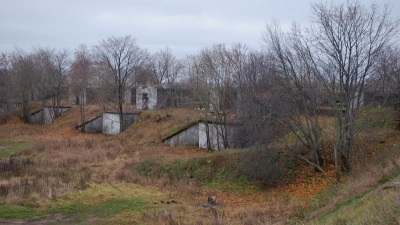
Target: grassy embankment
59, 175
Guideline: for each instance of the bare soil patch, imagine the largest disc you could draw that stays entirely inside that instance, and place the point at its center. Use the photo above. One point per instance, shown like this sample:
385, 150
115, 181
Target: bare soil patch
47, 219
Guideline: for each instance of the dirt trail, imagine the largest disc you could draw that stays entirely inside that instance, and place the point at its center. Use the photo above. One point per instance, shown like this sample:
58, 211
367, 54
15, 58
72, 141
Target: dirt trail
48, 219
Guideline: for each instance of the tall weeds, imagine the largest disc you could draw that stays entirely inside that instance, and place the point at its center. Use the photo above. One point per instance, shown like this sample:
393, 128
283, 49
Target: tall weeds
50, 168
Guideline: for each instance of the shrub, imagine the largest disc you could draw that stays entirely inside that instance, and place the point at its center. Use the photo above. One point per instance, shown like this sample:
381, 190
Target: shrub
261, 165
258, 165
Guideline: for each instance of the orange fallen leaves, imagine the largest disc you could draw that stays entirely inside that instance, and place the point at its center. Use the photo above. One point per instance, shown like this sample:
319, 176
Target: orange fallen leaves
307, 183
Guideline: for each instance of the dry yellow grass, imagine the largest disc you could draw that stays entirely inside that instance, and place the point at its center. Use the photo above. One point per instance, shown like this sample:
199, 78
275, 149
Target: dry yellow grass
62, 153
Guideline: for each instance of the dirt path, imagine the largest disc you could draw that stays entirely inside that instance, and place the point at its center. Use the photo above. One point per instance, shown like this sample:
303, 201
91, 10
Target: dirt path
48, 219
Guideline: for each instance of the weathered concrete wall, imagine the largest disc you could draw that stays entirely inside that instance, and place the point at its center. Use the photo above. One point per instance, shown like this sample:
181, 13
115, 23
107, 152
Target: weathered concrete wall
94, 125
41, 116
215, 134
36, 117
111, 123
146, 98
130, 118
189, 136
63, 109
162, 95
197, 135
46, 115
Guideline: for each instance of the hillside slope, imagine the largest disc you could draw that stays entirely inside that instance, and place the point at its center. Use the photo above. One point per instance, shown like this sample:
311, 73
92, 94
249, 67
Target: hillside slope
57, 174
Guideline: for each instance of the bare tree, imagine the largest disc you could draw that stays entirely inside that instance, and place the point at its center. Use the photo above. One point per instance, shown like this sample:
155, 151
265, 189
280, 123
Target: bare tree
51, 71
166, 68
23, 80
349, 38
5, 85
199, 85
385, 85
43, 70
254, 96
145, 75
211, 76
119, 58
299, 82
387, 82
59, 79
81, 77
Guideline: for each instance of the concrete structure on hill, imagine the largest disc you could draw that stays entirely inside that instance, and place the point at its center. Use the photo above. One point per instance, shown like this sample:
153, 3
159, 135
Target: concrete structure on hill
216, 135
158, 97
130, 96
48, 114
108, 123
195, 134
94, 125
149, 97
188, 136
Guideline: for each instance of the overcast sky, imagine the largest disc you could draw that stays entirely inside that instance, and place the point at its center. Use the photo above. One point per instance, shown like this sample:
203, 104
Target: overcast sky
185, 26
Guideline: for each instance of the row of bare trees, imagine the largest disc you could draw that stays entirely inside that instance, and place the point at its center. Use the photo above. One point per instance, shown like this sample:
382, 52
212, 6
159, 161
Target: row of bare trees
115, 65
343, 52
234, 82
40, 75
346, 49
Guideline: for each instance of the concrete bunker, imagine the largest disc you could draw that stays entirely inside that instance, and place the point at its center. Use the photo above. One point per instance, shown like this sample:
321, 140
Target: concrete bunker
94, 125
148, 97
48, 114
130, 96
195, 134
108, 123
161, 96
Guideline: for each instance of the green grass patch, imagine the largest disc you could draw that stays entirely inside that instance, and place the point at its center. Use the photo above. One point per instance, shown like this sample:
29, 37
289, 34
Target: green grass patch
79, 212
8, 148
237, 185
211, 168
374, 208
110, 208
343, 205
18, 212
102, 202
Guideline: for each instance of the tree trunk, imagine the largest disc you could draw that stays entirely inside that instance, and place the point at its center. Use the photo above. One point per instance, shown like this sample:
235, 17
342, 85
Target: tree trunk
82, 109
346, 138
26, 108
337, 174
120, 108
316, 156
345, 154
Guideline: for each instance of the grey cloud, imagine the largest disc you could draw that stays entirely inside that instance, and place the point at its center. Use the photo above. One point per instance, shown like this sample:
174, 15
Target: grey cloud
184, 25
